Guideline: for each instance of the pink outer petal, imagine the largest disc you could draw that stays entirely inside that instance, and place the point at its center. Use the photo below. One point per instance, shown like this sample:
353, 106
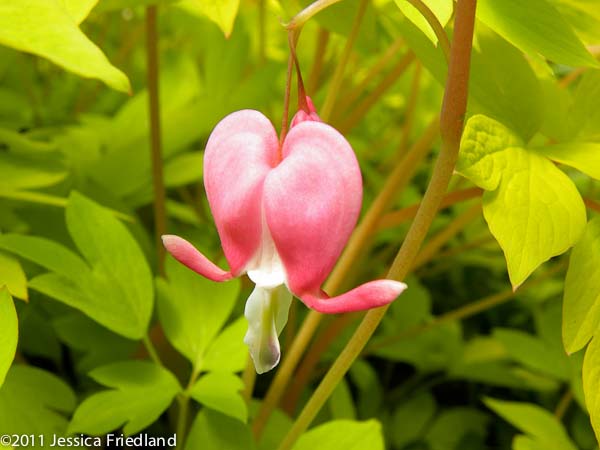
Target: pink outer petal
302, 116
312, 200
186, 254
369, 295
240, 152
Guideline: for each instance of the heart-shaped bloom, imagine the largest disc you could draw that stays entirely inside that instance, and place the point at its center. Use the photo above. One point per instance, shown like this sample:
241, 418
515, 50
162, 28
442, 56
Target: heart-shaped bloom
283, 216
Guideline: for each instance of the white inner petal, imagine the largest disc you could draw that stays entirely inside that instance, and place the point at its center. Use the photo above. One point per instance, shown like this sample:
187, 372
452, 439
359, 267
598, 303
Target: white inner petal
266, 269
267, 313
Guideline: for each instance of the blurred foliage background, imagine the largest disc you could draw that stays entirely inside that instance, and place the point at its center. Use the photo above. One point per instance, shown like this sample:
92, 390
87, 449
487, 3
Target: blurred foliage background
460, 361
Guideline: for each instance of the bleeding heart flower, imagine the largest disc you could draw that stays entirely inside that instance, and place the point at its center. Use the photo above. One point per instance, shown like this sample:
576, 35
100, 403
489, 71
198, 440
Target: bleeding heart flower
283, 216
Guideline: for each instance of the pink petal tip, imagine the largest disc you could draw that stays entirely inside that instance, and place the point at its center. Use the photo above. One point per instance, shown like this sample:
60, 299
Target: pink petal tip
369, 295
189, 256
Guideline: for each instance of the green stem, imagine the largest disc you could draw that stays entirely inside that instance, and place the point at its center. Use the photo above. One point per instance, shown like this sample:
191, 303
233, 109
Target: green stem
451, 123
151, 350
184, 406
160, 214
303, 16
338, 75
435, 24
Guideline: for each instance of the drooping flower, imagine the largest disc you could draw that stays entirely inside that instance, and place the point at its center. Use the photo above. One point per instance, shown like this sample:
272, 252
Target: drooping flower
283, 216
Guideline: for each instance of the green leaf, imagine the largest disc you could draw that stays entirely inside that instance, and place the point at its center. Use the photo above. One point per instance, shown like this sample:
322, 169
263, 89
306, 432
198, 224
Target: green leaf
32, 401
454, 424
10, 332
584, 156
535, 27
45, 28
346, 434
442, 9
212, 430
533, 353
513, 97
581, 304
12, 276
183, 169
25, 172
223, 12
536, 422
532, 208
95, 345
411, 418
141, 392
227, 352
193, 309
46, 253
591, 383
221, 392
341, 403
584, 116
121, 286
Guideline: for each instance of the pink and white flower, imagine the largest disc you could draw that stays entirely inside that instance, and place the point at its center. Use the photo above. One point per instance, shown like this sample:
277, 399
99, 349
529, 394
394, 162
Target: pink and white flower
284, 216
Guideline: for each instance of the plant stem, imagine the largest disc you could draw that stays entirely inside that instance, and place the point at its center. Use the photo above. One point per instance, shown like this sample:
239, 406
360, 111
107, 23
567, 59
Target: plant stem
303, 16
286, 104
363, 107
449, 231
184, 406
375, 70
563, 404
338, 75
435, 24
398, 217
463, 312
451, 123
151, 350
160, 214
249, 378
318, 59
409, 113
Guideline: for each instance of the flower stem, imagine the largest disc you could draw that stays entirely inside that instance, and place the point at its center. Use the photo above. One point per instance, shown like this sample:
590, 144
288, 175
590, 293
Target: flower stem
338, 75
249, 378
184, 406
451, 123
303, 16
363, 107
160, 215
435, 24
151, 350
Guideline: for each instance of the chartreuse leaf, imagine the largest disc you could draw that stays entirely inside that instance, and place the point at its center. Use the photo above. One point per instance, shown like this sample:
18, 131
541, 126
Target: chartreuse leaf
141, 392
121, 282
532, 208
213, 430
23, 172
441, 8
78, 9
10, 332
535, 27
221, 392
193, 309
591, 383
227, 352
581, 303
114, 287
12, 276
47, 29
538, 424
33, 401
584, 156
346, 434
223, 12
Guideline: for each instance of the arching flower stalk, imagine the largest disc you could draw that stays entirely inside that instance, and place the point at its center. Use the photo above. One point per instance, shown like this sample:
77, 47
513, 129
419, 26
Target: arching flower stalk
284, 215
